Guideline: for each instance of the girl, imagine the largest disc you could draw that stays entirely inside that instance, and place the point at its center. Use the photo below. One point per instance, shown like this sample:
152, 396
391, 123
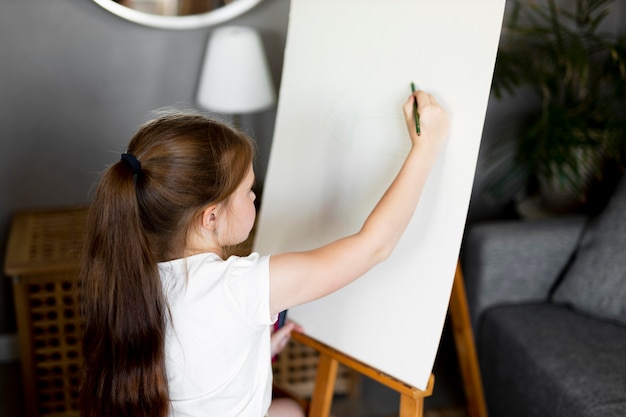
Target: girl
173, 326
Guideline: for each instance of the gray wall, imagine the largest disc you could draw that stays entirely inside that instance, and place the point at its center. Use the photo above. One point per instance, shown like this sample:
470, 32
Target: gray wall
484, 205
76, 81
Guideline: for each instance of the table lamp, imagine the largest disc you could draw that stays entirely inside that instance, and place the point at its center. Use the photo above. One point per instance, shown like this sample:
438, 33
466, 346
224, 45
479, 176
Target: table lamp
235, 77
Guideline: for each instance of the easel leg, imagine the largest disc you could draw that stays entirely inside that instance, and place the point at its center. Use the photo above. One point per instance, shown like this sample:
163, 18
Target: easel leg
410, 406
466, 348
325, 378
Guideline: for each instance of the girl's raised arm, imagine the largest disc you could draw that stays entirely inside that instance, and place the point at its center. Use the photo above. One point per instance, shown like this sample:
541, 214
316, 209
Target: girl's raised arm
300, 277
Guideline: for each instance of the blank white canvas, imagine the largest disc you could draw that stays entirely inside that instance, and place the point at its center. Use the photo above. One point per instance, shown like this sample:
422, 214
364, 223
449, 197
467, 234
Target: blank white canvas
339, 140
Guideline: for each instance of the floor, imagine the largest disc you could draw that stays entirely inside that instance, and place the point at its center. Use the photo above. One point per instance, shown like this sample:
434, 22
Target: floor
374, 400
10, 390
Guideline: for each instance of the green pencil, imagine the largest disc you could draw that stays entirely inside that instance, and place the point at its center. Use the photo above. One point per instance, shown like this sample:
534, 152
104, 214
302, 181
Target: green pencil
417, 115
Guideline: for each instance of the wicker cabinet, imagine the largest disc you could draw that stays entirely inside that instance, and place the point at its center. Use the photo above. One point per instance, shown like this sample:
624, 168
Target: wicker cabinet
42, 260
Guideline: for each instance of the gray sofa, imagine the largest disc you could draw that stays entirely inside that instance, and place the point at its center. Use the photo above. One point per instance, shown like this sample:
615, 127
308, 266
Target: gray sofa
548, 305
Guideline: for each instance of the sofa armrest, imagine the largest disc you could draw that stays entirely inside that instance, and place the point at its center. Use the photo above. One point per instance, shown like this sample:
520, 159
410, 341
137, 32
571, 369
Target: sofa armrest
516, 261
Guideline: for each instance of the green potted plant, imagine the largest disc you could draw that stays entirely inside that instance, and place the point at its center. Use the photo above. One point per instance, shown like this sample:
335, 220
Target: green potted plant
577, 76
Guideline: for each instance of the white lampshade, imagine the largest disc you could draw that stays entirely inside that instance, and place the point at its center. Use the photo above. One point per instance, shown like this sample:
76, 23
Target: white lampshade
235, 77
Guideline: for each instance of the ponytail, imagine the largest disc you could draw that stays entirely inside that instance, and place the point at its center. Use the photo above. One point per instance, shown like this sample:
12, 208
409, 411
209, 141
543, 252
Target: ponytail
142, 212
123, 307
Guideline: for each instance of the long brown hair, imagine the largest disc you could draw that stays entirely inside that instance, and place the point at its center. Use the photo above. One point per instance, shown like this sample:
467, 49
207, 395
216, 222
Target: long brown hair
139, 216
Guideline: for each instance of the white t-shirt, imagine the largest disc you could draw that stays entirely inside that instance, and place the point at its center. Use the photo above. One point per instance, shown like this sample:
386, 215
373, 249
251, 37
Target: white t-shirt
217, 345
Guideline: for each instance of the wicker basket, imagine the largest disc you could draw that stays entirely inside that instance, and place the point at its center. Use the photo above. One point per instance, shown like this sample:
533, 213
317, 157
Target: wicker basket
295, 368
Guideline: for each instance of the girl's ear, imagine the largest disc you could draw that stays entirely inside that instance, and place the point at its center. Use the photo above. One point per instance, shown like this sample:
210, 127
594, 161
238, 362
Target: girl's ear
209, 218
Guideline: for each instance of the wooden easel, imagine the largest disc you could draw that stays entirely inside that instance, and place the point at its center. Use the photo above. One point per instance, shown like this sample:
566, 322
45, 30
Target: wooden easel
411, 398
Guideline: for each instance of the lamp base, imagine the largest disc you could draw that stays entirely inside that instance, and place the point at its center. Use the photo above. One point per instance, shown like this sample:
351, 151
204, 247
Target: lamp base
236, 121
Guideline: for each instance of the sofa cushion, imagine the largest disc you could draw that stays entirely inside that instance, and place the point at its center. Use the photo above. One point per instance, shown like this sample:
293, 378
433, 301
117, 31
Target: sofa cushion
595, 283
516, 261
541, 360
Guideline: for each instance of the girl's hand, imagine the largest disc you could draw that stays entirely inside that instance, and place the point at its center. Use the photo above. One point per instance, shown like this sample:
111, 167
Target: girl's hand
433, 119
281, 337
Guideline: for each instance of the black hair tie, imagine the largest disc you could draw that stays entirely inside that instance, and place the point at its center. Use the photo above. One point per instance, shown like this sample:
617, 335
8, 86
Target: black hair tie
131, 160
